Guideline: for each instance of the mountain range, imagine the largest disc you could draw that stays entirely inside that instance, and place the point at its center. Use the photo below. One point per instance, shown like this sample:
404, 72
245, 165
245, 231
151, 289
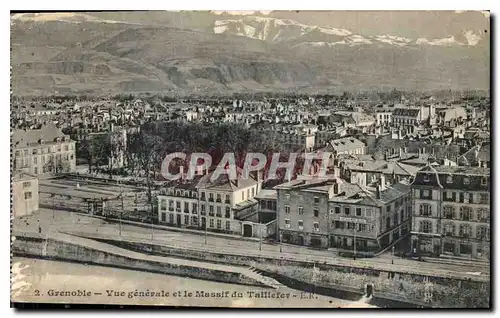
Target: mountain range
206, 52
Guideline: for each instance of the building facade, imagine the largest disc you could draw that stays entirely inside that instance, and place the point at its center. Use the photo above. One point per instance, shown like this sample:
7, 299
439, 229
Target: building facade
24, 194
45, 150
451, 212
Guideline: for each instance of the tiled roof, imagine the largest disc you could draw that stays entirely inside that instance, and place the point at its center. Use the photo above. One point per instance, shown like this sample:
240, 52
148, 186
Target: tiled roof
24, 138
345, 144
407, 112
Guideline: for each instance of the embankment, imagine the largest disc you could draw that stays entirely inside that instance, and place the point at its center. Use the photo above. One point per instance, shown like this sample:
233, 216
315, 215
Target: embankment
75, 249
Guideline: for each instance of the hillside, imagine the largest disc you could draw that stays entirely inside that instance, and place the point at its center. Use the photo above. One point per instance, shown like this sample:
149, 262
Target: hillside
104, 54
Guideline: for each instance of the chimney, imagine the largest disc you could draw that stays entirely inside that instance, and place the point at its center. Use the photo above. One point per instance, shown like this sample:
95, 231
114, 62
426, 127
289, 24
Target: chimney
335, 187
382, 182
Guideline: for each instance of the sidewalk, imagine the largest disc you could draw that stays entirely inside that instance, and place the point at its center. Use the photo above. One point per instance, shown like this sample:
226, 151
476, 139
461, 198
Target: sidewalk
176, 229
406, 267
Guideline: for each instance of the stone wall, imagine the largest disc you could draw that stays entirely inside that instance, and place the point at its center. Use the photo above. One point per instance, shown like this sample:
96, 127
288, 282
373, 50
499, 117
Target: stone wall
38, 246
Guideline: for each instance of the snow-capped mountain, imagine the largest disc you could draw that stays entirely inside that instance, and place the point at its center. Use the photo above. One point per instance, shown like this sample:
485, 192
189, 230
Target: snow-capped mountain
298, 34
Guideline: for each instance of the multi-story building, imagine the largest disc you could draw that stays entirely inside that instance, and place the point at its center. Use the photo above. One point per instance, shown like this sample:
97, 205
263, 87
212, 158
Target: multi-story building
337, 214
347, 146
205, 204
302, 211
44, 150
451, 211
24, 194
372, 219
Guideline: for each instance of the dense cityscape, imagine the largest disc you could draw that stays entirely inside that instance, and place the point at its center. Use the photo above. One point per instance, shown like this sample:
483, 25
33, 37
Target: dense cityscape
408, 176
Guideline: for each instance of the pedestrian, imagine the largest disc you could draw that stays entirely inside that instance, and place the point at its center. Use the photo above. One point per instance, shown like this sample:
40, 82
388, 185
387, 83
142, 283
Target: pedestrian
39, 229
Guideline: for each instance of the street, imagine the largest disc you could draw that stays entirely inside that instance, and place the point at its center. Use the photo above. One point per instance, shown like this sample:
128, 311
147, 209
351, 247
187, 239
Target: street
71, 222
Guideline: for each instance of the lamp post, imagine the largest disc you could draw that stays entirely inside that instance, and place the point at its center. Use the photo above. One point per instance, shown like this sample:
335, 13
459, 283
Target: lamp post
354, 242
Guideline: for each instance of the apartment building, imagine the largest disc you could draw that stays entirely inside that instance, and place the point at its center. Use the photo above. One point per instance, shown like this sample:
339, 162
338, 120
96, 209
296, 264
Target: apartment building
207, 204
347, 146
371, 219
24, 194
303, 210
332, 213
44, 150
451, 211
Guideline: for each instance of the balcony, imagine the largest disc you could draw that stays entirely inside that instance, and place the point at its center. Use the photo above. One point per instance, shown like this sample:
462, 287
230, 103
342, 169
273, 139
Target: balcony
218, 200
178, 209
171, 209
227, 201
210, 199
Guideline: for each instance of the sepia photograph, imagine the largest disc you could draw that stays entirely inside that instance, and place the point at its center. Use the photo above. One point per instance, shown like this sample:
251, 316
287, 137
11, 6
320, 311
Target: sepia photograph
251, 159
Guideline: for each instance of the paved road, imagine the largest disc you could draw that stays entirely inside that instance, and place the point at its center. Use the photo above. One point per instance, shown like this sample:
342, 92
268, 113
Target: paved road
69, 221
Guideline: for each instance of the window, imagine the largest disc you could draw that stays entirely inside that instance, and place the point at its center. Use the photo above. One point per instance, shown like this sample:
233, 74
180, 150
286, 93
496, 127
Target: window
484, 198
228, 225
287, 196
362, 227
351, 225
26, 184
211, 210
178, 206
316, 200
316, 226
483, 233
449, 179
483, 215
426, 178
203, 209
425, 209
227, 199
27, 195
339, 224
287, 223
465, 230
186, 207
300, 224
211, 223
347, 210
316, 213
425, 194
449, 211
449, 229
227, 213
186, 219
337, 210
466, 213
194, 220
211, 197
219, 211
219, 224
449, 196
163, 203
164, 217
358, 211
170, 218
301, 210
425, 227
466, 180
388, 208
170, 205
484, 181
219, 198
202, 196
195, 208
287, 209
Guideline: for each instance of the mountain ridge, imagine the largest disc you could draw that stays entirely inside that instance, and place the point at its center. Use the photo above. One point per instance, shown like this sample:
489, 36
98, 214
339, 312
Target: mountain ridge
96, 54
